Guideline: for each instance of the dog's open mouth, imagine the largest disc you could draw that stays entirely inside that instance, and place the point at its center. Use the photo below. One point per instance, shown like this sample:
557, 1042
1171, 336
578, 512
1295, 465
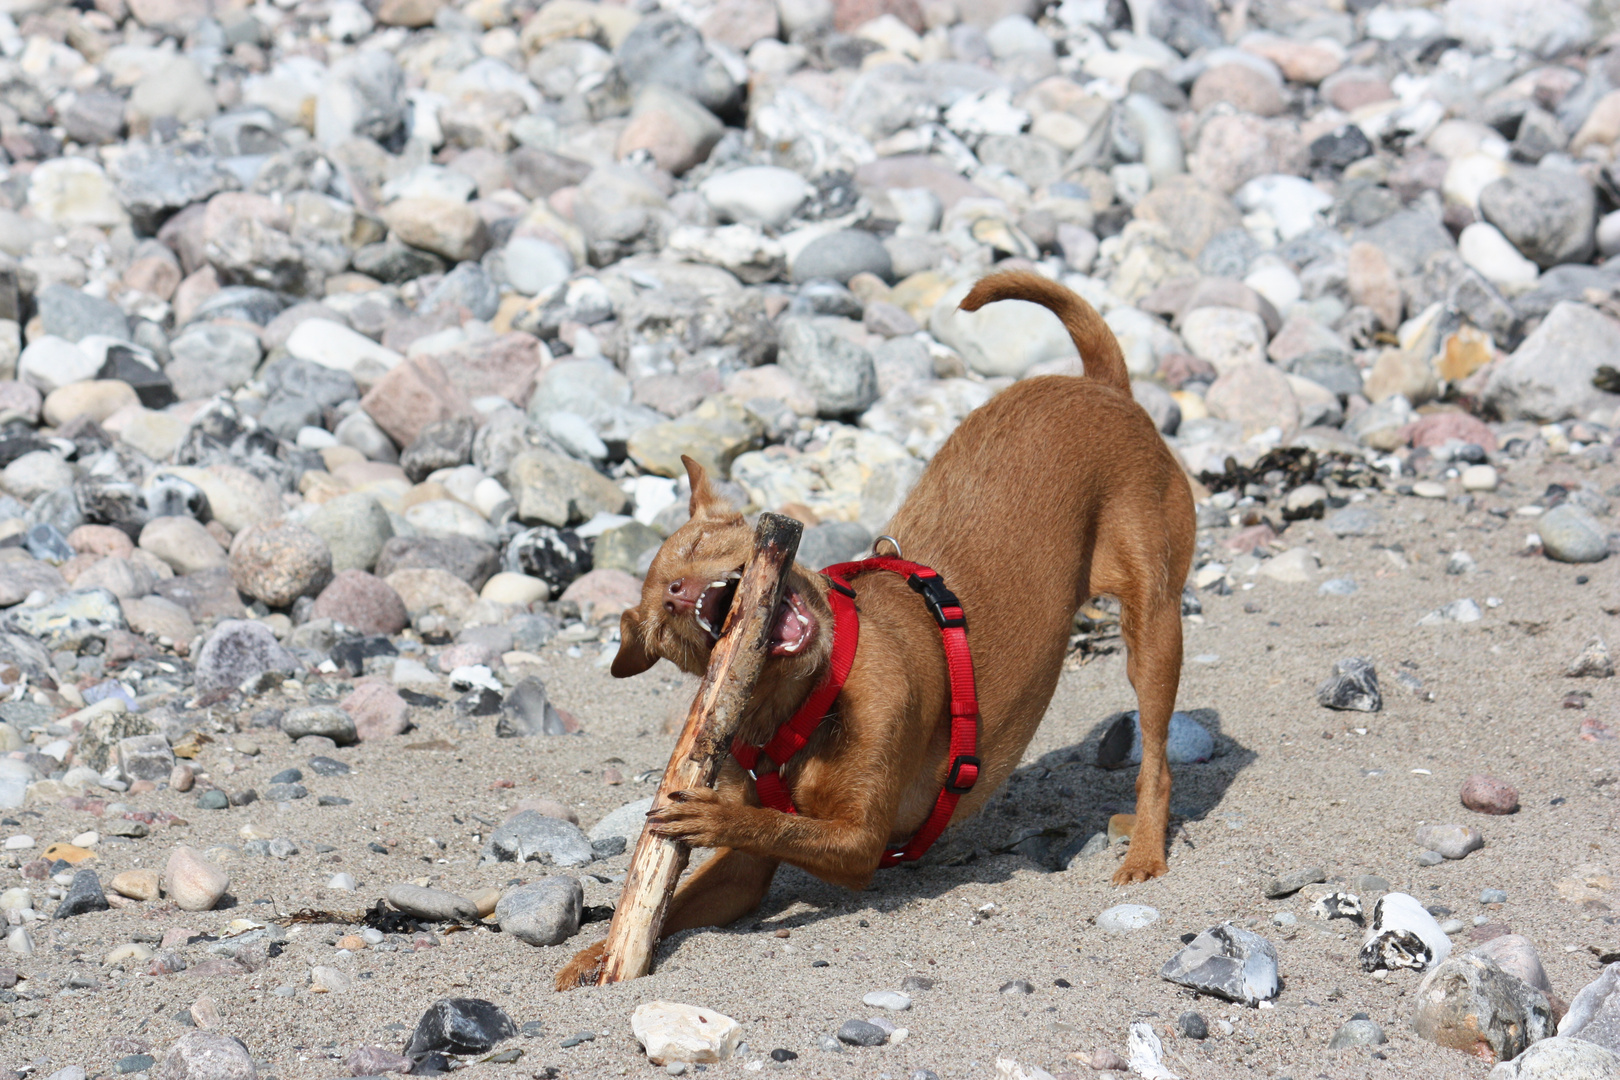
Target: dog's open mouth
793, 628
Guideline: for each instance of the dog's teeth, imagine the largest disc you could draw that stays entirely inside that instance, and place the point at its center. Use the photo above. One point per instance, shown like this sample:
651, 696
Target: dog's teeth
701, 621
718, 584
803, 621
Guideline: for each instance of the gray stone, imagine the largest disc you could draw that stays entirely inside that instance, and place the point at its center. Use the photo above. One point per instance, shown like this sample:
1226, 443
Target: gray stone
286, 792
625, 822
1467, 1003
1354, 521
363, 95
532, 835
1357, 1032
839, 373
841, 255
328, 721
443, 444
239, 650
1561, 1058
70, 620
862, 1033
1451, 841
433, 905
1549, 214
466, 290
1290, 883
155, 181
1594, 1014
544, 913
83, 896
528, 711
1229, 962
473, 561
206, 1055
1570, 534
832, 542
212, 358
355, 528
145, 757
1353, 686
1188, 742
1549, 376
70, 314
666, 50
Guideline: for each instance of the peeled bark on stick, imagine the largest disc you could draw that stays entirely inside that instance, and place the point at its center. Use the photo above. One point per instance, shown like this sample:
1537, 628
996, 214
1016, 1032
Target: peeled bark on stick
734, 667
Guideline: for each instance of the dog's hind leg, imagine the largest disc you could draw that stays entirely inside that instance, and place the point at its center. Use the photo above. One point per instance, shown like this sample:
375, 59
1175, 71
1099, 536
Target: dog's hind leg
721, 891
1152, 633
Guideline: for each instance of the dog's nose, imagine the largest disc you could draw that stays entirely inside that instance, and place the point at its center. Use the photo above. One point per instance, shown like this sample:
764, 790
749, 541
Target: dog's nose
677, 599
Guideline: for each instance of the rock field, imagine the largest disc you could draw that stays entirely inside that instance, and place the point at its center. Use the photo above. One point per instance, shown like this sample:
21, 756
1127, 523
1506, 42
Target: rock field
348, 351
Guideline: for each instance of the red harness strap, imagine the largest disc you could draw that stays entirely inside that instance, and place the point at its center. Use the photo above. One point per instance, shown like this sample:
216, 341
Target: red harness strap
792, 736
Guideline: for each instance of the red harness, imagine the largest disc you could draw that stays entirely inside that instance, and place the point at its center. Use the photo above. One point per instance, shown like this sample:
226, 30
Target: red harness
792, 736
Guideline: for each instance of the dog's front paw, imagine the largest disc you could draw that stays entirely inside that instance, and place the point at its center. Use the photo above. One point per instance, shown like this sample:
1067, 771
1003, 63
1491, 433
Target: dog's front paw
695, 816
584, 968
1134, 870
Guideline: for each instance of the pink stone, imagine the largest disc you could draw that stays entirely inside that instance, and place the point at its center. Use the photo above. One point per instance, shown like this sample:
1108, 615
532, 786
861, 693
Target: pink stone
506, 367
1244, 541
415, 394
378, 711
467, 654
848, 14
20, 399
1488, 795
1436, 428
547, 807
1240, 86
603, 594
101, 540
374, 1061
362, 601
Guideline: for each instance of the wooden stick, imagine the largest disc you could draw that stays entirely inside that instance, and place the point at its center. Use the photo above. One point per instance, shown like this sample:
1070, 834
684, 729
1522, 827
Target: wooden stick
734, 667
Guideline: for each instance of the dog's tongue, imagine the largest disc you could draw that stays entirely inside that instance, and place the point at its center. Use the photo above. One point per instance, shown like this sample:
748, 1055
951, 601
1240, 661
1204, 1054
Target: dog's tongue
793, 627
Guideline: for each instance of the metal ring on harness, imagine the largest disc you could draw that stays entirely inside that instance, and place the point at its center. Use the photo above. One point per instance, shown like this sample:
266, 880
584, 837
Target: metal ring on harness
892, 543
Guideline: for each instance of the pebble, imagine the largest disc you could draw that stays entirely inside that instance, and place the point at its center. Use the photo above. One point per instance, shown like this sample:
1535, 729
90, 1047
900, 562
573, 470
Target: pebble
1468, 1003
1126, 917
1570, 533
671, 1033
207, 1055
892, 1000
1357, 1031
460, 1026
192, 882
1229, 962
1193, 1025
432, 905
1290, 883
1594, 662
544, 913
1188, 742
84, 895
862, 1033
1450, 841
1488, 795
1353, 686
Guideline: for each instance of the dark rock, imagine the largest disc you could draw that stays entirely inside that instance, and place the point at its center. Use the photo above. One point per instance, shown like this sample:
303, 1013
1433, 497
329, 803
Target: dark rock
1353, 686
152, 387
83, 896
1340, 147
555, 556
213, 799
1193, 1025
325, 766
443, 444
459, 1026
861, 1033
351, 654
1290, 883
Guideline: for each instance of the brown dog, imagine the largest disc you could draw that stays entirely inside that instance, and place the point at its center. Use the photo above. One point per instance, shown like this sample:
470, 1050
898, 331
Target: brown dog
1057, 490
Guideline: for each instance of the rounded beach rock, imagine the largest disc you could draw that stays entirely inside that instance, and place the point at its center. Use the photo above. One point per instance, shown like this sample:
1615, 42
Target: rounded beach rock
1487, 795
192, 882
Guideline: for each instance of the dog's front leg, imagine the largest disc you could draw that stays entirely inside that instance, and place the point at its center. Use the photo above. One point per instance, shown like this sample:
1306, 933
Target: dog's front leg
837, 851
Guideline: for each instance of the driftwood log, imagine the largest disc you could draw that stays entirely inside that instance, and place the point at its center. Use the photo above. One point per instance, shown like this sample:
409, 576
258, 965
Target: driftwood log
716, 712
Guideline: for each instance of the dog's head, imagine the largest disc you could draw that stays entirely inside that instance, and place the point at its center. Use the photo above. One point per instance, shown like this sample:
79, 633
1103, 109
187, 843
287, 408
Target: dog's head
690, 587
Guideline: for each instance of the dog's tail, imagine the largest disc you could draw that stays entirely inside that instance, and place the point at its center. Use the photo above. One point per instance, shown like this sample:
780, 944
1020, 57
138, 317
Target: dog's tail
1098, 349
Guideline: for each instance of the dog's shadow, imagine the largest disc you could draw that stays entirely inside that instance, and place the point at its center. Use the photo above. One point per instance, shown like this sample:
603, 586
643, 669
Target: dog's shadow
1040, 819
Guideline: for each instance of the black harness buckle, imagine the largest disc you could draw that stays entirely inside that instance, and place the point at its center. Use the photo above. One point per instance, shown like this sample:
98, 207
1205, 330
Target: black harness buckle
839, 586
955, 782
937, 597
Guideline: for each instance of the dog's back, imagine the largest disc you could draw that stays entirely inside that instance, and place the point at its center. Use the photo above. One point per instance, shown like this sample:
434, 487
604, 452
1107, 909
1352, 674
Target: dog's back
1058, 489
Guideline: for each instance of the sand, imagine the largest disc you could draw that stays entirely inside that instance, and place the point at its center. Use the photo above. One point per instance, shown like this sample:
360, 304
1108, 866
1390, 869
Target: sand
1295, 785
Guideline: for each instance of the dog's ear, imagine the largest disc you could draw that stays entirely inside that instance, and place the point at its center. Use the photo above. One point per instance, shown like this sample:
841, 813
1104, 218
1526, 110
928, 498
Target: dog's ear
633, 657
705, 503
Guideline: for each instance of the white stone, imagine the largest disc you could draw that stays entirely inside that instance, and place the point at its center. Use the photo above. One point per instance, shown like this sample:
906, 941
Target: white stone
73, 191
431, 182
532, 265
20, 842
333, 345
1293, 202
756, 194
510, 588
670, 1032
1276, 282
893, 1000
1470, 174
1127, 917
50, 362
1483, 247
1479, 478
1292, 567
1224, 336
343, 881
329, 980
